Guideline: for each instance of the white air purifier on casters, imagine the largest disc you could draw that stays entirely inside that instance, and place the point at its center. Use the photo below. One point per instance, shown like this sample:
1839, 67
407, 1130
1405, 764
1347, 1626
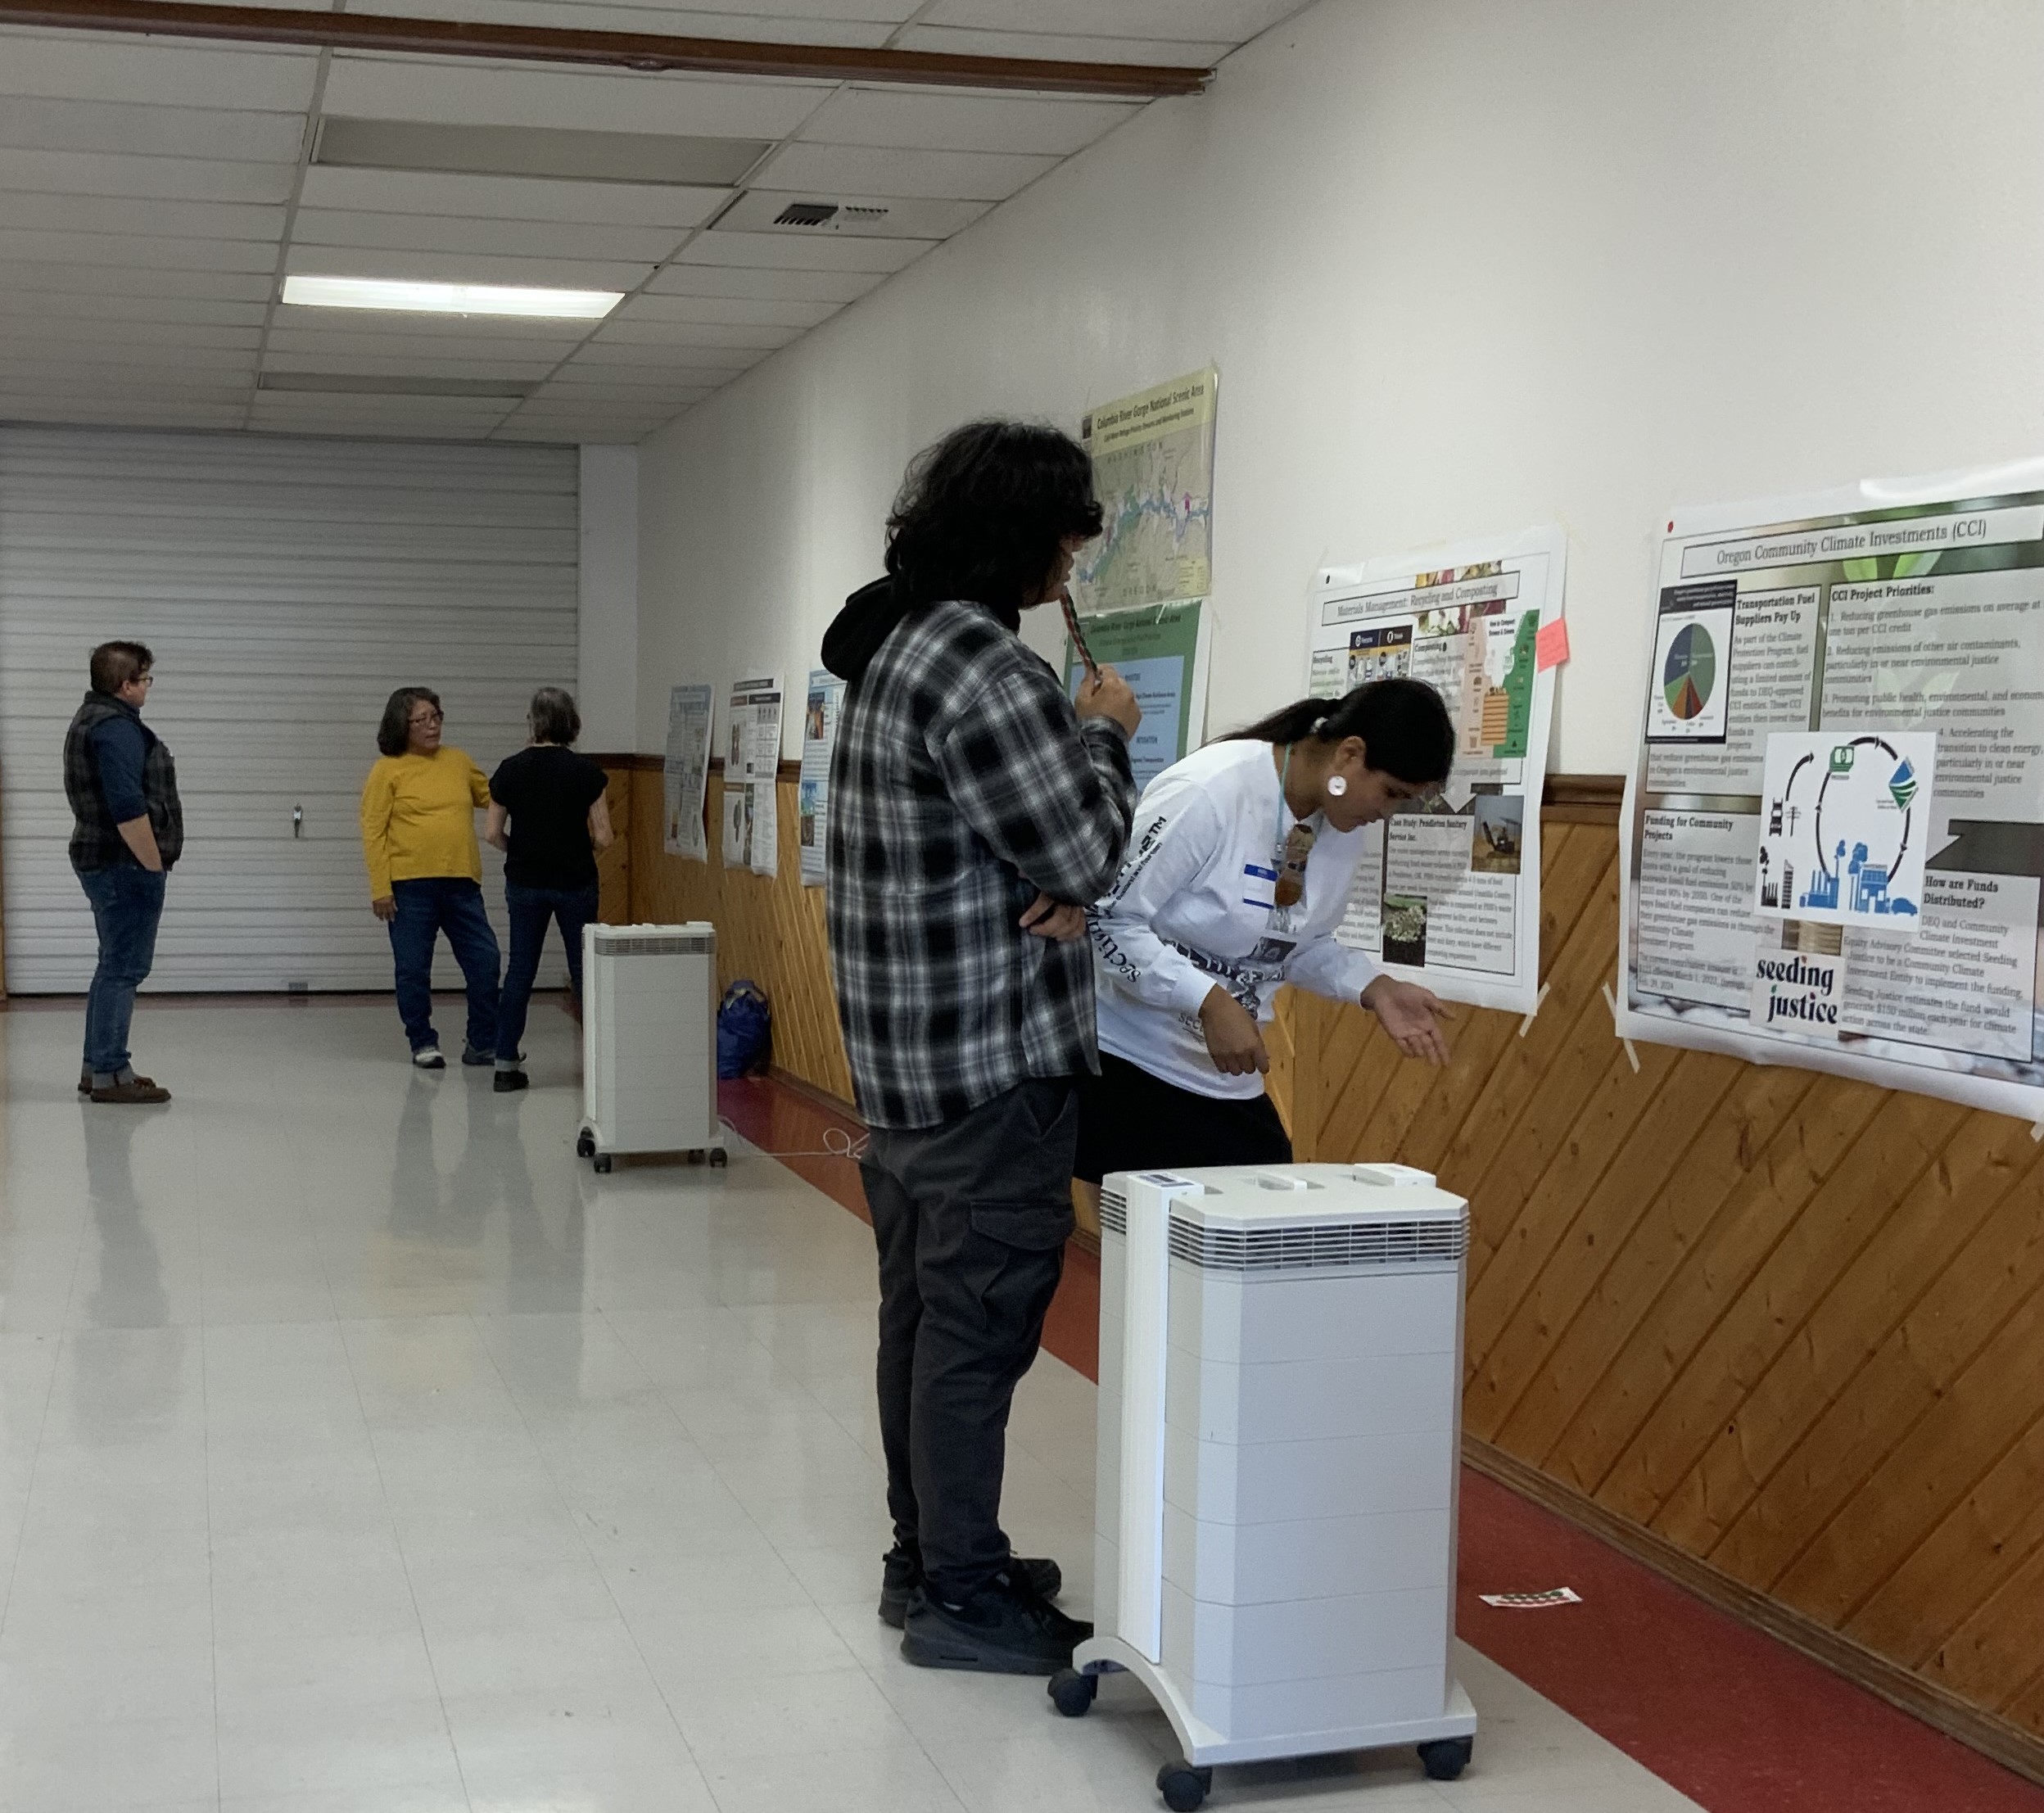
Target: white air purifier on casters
1280, 1421
650, 1042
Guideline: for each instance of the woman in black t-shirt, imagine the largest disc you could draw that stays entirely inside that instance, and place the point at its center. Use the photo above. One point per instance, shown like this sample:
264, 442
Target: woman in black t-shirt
554, 799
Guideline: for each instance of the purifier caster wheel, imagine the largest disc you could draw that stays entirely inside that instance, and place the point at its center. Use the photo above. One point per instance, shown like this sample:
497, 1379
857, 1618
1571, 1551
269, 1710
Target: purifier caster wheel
719, 1158
1184, 1788
602, 1163
1446, 1758
584, 1144
1073, 1694
696, 1156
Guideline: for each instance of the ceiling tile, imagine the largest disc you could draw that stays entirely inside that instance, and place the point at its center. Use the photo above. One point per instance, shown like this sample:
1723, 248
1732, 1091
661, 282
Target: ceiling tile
1175, 21
120, 412
630, 396
291, 333
124, 215
61, 328
465, 268
688, 280
926, 176
85, 308
793, 251
171, 178
508, 197
1150, 53
488, 95
85, 66
657, 313
926, 120
450, 233
641, 365
245, 255
386, 364
63, 277
151, 132
648, 340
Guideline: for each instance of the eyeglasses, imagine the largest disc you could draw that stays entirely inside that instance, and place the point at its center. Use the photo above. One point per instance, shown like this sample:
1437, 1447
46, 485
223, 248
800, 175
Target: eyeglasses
429, 717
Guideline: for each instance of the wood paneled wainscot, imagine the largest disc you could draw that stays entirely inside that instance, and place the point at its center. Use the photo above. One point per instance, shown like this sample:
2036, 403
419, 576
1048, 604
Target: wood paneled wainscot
1780, 1334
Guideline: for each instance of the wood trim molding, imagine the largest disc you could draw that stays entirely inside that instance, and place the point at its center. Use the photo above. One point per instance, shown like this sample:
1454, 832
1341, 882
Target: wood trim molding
2007, 1744
1584, 800
644, 53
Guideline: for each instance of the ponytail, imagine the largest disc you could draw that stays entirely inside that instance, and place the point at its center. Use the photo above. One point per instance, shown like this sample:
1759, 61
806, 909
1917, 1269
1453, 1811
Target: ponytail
1405, 728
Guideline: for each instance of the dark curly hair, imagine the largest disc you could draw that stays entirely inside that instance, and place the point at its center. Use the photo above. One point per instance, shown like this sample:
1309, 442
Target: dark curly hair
982, 513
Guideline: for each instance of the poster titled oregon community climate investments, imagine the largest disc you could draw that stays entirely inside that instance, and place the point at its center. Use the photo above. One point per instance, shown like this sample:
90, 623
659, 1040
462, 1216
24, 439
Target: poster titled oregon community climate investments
1834, 828
1449, 894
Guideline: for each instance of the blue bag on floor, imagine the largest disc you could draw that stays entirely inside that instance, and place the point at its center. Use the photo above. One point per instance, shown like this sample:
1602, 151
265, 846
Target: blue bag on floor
744, 1029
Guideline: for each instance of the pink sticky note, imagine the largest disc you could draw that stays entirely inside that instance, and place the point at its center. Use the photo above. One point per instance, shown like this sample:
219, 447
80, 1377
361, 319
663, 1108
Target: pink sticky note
1550, 647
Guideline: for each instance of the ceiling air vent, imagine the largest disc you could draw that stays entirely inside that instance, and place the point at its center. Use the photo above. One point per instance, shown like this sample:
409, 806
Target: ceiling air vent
793, 211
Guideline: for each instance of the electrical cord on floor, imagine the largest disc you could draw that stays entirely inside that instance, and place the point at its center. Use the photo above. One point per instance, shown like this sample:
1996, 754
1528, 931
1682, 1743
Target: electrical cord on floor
837, 1144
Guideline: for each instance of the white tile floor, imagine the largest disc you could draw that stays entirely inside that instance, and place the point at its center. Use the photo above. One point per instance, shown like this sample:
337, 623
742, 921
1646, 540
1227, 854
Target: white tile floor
361, 1452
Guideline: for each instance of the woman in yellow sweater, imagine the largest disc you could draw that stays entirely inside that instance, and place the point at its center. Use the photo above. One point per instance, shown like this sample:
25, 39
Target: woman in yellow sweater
419, 835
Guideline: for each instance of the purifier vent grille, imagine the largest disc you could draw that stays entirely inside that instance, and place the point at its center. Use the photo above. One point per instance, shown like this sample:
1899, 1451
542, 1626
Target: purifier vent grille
1338, 1247
1113, 1212
654, 943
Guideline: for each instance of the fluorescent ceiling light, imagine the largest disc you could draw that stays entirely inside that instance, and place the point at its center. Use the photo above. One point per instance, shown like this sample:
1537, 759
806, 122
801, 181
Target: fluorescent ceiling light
376, 292
560, 152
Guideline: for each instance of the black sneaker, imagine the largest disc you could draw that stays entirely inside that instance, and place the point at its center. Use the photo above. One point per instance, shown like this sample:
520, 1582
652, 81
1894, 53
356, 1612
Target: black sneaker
476, 1060
901, 1578
1005, 1629
509, 1081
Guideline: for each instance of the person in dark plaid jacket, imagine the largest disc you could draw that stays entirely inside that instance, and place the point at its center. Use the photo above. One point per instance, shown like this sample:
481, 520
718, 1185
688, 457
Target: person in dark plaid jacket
974, 812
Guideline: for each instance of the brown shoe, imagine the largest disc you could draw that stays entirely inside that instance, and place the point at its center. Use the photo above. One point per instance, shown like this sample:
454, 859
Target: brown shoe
85, 1081
141, 1090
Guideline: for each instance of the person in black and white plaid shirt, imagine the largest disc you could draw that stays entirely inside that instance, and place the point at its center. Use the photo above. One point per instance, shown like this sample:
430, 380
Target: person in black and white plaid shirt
974, 812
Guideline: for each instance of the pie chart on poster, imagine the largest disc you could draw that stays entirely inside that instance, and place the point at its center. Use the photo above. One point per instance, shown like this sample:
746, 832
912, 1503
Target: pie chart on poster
1691, 671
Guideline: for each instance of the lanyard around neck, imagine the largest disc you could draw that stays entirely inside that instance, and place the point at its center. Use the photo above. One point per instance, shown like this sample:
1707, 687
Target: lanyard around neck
1294, 845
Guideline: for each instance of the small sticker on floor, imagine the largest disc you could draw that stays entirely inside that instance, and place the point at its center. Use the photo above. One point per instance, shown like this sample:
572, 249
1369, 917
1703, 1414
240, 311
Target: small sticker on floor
1522, 1602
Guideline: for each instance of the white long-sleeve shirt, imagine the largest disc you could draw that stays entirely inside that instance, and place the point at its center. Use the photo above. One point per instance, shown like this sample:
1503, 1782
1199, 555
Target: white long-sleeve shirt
1194, 906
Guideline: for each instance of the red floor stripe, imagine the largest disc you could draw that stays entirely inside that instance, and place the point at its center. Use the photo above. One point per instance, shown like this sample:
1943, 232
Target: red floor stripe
1737, 1722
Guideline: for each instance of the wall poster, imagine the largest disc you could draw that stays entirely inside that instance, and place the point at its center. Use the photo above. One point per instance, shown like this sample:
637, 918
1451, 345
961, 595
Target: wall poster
686, 772
1153, 472
1449, 895
1161, 651
1834, 826
819, 738
752, 831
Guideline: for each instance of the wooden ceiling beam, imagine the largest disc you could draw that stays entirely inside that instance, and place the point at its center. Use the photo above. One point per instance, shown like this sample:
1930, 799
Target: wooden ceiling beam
655, 53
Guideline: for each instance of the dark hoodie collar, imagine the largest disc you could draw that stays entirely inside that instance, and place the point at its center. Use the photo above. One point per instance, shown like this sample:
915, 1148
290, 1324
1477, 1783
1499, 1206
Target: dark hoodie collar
869, 617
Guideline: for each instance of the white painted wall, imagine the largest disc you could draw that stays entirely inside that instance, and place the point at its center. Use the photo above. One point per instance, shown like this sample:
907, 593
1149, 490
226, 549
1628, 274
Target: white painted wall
1465, 265
607, 683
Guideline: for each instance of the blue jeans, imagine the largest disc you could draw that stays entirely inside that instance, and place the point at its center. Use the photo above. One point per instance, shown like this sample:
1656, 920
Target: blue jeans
426, 907
531, 909
126, 903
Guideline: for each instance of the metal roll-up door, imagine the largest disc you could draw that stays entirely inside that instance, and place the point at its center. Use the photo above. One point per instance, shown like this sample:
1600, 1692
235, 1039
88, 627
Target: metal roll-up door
285, 587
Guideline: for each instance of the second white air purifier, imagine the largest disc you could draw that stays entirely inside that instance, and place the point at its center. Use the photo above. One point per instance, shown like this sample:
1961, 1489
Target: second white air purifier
650, 1042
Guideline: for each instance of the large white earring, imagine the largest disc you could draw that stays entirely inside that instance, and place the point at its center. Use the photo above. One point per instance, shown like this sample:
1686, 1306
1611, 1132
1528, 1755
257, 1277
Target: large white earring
1336, 785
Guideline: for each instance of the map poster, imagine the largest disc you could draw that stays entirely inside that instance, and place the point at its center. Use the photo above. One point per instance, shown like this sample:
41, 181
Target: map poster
819, 738
752, 836
1153, 472
685, 771
1846, 875
1162, 652
1449, 894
